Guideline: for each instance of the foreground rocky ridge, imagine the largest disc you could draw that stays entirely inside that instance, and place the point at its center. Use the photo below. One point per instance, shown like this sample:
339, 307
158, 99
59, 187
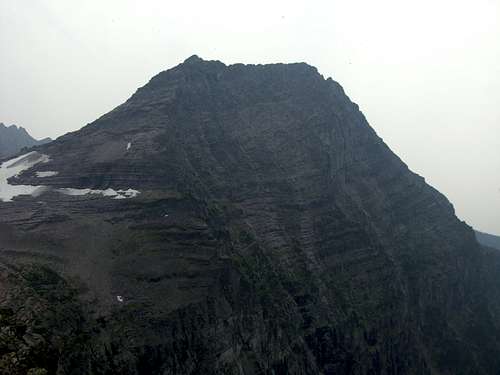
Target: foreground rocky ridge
274, 233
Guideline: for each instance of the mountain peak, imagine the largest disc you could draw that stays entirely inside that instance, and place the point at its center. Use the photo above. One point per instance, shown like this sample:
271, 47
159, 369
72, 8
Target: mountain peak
201, 77
193, 59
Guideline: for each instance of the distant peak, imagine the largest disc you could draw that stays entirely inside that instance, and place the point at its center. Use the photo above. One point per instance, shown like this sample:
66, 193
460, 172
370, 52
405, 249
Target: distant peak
21, 129
12, 127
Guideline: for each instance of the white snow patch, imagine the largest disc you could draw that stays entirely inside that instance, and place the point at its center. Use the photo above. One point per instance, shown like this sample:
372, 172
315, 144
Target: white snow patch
129, 193
71, 191
129, 145
15, 167
46, 174
115, 194
119, 298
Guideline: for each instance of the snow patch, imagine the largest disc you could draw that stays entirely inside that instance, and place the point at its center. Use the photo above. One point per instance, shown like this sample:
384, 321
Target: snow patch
129, 145
46, 174
129, 193
119, 298
115, 194
71, 191
13, 168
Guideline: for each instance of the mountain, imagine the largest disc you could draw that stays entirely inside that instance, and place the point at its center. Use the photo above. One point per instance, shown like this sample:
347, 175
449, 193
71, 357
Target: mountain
489, 240
13, 139
240, 219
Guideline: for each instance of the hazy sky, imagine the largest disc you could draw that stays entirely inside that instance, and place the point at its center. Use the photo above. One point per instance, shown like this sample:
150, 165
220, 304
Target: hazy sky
425, 73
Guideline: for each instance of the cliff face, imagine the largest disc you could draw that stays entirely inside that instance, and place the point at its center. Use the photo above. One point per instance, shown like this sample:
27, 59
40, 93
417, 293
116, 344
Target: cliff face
13, 139
271, 231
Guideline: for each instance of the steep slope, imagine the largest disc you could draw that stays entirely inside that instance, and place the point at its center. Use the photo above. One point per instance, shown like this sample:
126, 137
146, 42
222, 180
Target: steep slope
13, 139
271, 231
489, 240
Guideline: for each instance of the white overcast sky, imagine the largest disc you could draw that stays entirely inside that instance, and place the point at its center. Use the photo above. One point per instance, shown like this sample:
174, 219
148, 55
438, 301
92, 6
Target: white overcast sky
425, 73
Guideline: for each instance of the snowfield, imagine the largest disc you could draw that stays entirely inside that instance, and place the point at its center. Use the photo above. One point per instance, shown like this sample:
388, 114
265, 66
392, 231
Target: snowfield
46, 174
115, 194
15, 167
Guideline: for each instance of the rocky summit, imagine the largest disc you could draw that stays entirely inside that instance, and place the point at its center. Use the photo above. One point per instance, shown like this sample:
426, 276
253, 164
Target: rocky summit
240, 219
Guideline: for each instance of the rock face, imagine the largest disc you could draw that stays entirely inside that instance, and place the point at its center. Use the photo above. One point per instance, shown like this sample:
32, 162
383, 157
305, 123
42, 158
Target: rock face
273, 232
13, 139
489, 240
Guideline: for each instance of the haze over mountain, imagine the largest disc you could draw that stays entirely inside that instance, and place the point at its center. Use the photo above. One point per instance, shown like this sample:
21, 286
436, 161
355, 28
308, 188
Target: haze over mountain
13, 139
237, 219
